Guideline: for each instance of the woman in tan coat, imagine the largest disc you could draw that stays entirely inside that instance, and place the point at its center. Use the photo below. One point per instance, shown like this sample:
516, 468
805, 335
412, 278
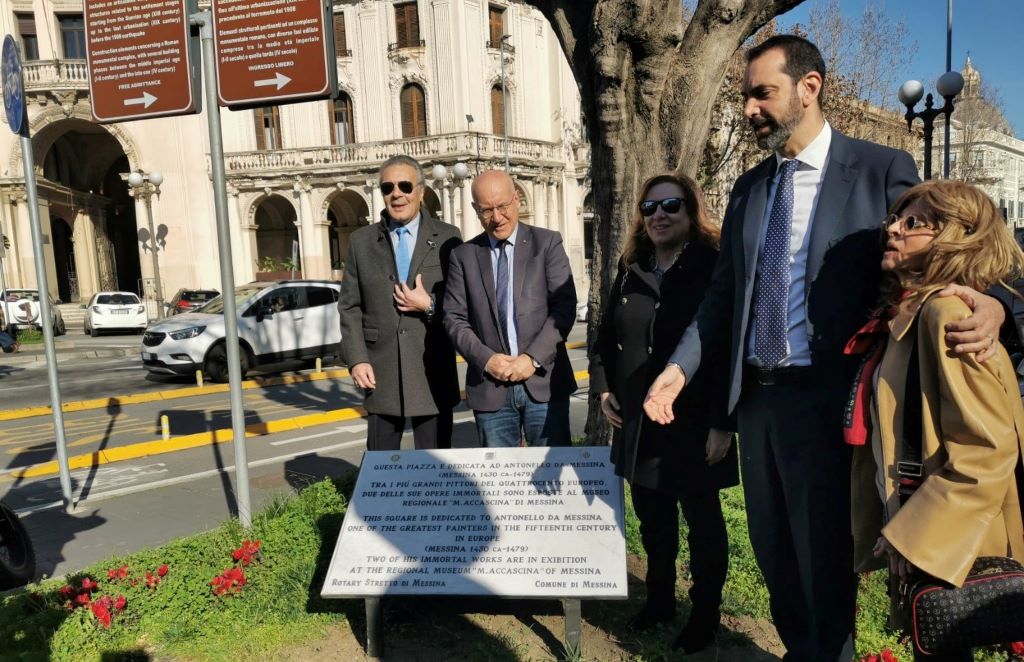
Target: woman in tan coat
963, 503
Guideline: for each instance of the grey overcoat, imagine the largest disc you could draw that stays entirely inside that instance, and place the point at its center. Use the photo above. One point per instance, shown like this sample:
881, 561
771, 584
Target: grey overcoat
412, 359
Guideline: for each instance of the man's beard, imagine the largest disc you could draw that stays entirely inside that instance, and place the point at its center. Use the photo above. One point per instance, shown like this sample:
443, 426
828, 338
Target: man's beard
783, 129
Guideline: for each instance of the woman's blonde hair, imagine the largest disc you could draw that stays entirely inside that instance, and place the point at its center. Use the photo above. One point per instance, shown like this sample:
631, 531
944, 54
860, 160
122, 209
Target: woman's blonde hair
972, 245
638, 244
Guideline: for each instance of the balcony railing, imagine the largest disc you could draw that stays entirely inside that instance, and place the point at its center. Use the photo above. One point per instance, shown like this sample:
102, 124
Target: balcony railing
463, 146
402, 45
56, 74
496, 45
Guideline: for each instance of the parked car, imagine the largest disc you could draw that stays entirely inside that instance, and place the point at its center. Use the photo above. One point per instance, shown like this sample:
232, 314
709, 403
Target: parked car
188, 300
21, 310
295, 319
114, 311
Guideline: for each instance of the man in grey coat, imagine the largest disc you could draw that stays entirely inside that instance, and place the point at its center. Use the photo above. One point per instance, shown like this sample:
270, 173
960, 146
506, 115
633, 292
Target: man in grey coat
391, 333
509, 306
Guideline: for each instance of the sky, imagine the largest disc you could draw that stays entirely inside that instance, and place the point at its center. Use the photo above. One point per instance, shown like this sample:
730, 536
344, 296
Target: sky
989, 29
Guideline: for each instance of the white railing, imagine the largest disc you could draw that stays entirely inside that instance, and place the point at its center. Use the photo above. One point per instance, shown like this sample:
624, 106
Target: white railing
447, 146
56, 74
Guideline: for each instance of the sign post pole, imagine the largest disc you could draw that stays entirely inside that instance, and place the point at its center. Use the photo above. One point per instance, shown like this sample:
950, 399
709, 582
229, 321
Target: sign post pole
204, 20
14, 105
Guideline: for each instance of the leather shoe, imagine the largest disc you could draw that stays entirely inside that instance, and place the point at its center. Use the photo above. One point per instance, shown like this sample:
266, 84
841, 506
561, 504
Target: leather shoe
698, 633
650, 617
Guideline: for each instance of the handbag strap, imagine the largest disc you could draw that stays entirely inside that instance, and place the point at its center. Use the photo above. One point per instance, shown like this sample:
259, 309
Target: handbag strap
909, 468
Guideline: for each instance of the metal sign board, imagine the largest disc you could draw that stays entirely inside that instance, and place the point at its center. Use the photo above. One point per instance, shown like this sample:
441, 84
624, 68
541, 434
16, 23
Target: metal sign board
273, 51
14, 85
141, 59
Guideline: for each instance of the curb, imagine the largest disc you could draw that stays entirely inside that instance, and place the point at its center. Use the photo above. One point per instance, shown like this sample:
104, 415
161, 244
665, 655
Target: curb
33, 356
188, 392
184, 442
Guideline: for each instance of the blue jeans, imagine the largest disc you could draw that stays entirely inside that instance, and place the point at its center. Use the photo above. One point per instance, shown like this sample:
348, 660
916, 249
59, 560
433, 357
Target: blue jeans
545, 423
6, 342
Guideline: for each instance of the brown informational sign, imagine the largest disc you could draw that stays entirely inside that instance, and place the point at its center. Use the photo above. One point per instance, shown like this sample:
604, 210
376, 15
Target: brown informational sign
273, 51
140, 59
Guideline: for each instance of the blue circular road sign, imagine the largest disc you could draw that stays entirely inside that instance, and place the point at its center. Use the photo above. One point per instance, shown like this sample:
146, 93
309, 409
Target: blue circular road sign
14, 86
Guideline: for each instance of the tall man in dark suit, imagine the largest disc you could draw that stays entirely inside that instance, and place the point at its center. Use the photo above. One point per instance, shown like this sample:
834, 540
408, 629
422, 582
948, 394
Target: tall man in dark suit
509, 306
390, 305
797, 276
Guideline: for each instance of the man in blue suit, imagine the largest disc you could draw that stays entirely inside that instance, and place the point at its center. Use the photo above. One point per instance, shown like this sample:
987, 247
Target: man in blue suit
797, 276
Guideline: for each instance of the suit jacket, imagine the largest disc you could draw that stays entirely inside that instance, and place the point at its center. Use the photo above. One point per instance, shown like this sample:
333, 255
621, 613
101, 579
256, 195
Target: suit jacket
544, 298
861, 182
971, 424
641, 324
412, 359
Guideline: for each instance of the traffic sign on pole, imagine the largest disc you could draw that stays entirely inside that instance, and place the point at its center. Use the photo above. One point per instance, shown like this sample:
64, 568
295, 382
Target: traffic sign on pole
141, 57
14, 86
273, 51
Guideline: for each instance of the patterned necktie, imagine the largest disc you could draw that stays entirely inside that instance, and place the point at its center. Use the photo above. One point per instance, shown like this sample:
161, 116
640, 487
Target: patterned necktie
501, 289
402, 254
772, 306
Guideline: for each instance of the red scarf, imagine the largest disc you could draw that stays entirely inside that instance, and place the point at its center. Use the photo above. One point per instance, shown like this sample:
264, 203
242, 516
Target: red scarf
869, 341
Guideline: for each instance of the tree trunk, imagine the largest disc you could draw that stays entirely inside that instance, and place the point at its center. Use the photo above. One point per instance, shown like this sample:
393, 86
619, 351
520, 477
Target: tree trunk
647, 90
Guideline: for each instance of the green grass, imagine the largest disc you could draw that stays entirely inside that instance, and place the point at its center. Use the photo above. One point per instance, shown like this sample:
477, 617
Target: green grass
30, 337
280, 605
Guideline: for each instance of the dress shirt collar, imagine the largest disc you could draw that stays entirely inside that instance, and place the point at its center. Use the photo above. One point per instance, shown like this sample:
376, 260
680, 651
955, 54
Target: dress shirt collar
815, 154
511, 239
413, 226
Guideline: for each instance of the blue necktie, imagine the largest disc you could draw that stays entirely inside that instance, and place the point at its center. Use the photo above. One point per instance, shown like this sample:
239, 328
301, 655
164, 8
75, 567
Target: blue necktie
501, 289
402, 254
772, 306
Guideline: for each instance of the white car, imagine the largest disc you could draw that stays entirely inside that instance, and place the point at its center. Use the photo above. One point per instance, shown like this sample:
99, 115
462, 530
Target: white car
114, 311
295, 319
21, 310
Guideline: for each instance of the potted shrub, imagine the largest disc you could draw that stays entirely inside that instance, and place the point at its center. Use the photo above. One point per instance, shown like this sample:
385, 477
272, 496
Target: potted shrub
270, 269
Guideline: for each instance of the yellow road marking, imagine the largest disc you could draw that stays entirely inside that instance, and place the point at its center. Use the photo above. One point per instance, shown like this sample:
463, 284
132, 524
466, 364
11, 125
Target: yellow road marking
154, 396
160, 446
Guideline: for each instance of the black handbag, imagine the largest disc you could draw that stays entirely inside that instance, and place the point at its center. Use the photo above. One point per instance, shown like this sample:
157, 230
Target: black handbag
989, 608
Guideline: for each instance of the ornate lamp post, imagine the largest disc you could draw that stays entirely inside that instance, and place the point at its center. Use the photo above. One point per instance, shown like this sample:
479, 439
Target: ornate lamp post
457, 180
948, 85
143, 186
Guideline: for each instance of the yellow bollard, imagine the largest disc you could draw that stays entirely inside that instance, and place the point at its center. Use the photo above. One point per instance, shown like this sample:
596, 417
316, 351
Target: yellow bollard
199, 378
165, 427
319, 364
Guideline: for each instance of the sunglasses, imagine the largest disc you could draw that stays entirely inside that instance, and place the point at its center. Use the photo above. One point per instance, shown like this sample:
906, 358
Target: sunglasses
670, 205
405, 187
910, 223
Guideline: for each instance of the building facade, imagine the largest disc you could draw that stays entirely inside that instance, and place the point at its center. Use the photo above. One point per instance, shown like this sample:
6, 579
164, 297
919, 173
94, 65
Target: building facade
422, 78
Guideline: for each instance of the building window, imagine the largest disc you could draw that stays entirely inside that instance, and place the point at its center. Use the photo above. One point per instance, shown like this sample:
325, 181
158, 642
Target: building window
342, 128
1020, 209
29, 39
340, 40
407, 25
497, 110
72, 35
496, 18
414, 111
268, 128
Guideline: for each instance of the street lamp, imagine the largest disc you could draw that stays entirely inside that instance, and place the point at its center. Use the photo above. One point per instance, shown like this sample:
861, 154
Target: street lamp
457, 179
504, 95
948, 85
143, 187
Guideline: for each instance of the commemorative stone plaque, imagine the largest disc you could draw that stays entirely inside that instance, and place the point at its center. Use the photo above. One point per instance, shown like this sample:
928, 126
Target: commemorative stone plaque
510, 522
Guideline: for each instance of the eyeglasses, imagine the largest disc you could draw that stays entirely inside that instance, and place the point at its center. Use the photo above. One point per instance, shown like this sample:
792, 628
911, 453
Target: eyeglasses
909, 223
487, 213
405, 187
670, 205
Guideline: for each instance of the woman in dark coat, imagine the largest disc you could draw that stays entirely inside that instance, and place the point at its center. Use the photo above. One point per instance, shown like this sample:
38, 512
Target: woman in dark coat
665, 268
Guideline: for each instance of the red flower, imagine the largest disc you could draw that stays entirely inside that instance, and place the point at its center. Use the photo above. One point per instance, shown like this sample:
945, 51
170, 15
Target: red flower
231, 580
120, 603
1017, 647
66, 591
152, 580
82, 599
102, 613
162, 570
888, 656
245, 553
88, 584
112, 573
